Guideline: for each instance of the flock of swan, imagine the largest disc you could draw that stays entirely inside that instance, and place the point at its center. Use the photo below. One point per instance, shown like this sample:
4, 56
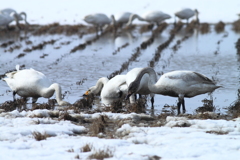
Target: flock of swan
9, 15
155, 17
144, 81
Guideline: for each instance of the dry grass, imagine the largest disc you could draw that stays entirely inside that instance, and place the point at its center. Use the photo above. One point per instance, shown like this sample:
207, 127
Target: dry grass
207, 106
205, 28
220, 132
39, 136
98, 125
86, 148
234, 109
236, 26
101, 154
67, 116
219, 27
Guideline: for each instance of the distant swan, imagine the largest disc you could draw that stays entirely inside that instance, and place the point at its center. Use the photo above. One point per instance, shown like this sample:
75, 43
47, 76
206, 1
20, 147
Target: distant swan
143, 86
5, 19
121, 18
113, 88
150, 17
186, 14
8, 11
31, 83
175, 84
98, 20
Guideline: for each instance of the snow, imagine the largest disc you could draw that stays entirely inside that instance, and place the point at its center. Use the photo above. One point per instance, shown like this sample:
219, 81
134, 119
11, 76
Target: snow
132, 142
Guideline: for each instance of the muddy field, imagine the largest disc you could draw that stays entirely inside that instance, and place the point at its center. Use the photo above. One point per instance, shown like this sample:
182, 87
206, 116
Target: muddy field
76, 57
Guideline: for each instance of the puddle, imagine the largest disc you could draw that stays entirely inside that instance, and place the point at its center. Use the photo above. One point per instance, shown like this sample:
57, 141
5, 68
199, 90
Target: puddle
212, 54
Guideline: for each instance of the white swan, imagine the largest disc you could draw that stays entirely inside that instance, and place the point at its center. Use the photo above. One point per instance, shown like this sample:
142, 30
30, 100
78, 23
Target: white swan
175, 84
150, 17
142, 87
98, 20
5, 19
113, 88
121, 18
9, 11
31, 83
186, 14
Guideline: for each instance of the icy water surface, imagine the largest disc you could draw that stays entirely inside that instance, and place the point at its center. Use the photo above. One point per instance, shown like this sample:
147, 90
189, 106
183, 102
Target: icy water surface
212, 54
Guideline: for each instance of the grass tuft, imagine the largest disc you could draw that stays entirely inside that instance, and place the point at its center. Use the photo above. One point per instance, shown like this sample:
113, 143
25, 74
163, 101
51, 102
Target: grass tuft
101, 154
39, 136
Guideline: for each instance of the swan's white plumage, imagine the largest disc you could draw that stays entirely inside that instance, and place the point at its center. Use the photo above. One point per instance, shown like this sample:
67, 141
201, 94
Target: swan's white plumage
122, 17
150, 17
5, 20
32, 83
97, 19
186, 13
113, 88
176, 84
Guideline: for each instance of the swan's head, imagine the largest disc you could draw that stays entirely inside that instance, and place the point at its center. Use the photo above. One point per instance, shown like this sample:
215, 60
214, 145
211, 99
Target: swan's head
132, 88
196, 12
91, 90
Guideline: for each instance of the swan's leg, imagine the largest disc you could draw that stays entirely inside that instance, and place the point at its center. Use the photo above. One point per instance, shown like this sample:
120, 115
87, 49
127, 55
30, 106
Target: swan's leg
183, 105
179, 106
97, 30
34, 99
152, 100
14, 93
140, 96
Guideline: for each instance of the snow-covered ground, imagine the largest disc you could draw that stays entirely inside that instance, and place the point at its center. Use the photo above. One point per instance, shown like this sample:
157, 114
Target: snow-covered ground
199, 139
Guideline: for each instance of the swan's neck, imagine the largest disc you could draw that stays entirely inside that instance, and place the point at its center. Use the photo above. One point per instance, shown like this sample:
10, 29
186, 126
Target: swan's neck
113, 20
25, 17
48, 92
152, 78
132, 17
100, 84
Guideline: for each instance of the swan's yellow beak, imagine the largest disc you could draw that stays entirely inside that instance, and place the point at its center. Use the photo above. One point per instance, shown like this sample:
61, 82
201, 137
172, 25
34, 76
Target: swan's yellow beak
86, 93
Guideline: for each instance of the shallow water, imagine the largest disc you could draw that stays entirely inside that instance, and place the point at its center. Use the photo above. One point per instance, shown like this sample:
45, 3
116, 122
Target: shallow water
211, 54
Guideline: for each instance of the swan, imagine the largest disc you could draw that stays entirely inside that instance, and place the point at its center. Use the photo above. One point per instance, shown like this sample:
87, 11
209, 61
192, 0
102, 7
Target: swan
121, 18
5, 19
98, 20
8, 11
32, 83
186, 14
151, 17
143, 86
175, 84
113, 88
